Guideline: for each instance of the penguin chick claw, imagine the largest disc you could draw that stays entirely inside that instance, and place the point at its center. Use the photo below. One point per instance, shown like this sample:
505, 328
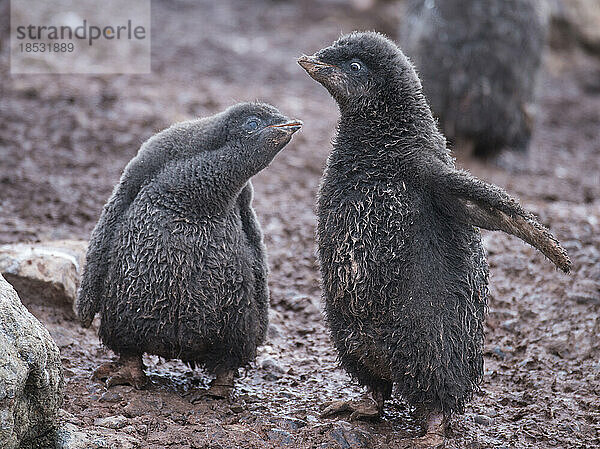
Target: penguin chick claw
220, 388
128, 370
364, 409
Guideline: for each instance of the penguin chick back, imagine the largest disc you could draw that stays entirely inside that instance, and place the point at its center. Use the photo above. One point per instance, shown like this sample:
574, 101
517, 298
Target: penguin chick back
176, 263
177, 142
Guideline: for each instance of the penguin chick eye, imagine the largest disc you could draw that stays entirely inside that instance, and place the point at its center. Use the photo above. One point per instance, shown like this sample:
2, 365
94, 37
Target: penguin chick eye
355, 66
251, 125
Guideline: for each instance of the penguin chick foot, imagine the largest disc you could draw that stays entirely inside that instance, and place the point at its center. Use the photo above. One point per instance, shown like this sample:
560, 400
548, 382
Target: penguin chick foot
435, 432
365, 409
220, 388
129, 370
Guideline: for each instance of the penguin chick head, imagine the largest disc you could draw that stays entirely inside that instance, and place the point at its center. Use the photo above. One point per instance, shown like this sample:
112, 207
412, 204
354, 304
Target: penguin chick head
362, 67
259, 125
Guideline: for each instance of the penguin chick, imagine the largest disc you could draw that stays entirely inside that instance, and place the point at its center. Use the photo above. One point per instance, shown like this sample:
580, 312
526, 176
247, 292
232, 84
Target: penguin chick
176, 265
403, 269
478, 60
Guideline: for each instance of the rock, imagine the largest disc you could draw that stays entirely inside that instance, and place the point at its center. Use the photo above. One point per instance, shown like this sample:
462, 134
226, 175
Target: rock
279, 436
287, 423
48, 272
70, 436
499, 352
272, 365
483, 420
273, 331
238, 407
585, 291
575, 22
510, 325
110, 396
563, 349
492, 413
273, 370
295, 301
112, 422
349, 437
140, 406
31, 376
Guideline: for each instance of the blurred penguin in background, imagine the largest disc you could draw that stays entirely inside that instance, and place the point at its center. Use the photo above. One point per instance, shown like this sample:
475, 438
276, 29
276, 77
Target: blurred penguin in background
478, 61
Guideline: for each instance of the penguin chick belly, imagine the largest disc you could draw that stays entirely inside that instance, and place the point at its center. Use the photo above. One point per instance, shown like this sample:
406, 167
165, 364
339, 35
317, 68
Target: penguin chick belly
405, 295
363, 251
178, 286
438, 351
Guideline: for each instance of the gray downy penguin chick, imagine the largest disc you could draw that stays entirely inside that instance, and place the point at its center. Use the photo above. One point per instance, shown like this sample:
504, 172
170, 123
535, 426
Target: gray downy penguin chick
478, 60
403, 269
176, 265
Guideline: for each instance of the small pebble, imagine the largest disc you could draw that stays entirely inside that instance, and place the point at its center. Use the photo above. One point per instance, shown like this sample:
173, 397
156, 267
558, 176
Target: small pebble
287, 423
499, 352
238, 408
273, 369
483, 420
280, 436
110, 396
349, 437
111, 422
274, 331
585, 291
509, 325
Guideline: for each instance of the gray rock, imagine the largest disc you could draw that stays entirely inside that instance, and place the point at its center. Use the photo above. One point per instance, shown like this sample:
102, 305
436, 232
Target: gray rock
110, 396
31, 377
483, 420
288, 423
349, 437
585, 291
499, 352
281, 437
140, 406
112, 422
71, 437
274, 331
270, 364
510, 325
575, 22
272, 369
48, 271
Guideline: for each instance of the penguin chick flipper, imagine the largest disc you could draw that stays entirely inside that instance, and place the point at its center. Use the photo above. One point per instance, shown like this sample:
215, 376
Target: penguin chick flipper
489, 207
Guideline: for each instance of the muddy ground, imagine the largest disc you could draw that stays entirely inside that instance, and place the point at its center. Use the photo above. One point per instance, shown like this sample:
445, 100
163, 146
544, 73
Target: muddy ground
65, 139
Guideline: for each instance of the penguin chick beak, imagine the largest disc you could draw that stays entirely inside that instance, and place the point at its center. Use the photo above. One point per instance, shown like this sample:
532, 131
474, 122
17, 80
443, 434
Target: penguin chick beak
313, 65
329, 75
290, 127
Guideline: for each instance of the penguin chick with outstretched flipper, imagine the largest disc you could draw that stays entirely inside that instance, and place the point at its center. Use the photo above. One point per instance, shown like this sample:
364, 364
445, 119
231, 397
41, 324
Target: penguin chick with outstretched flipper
176, 265
403, 268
